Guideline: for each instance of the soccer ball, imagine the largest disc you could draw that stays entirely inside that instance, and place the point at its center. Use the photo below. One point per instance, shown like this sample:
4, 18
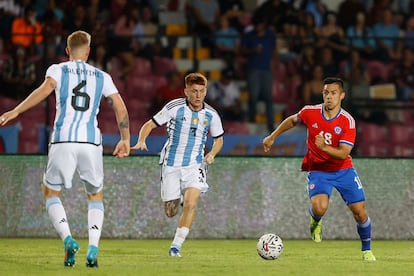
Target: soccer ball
270, 246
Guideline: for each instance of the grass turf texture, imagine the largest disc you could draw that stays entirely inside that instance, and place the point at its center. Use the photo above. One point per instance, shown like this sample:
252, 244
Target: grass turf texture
207, 257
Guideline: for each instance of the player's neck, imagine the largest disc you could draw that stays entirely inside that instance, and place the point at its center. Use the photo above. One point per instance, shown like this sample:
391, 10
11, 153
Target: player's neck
331, 113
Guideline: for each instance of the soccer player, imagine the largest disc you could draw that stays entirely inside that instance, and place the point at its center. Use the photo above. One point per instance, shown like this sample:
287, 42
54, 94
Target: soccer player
76, 143
331, 136
183, 172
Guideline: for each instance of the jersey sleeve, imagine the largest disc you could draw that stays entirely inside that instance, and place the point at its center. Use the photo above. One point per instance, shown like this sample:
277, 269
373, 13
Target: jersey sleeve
54, 72
109, 87
162, 117
349, 134
216, 128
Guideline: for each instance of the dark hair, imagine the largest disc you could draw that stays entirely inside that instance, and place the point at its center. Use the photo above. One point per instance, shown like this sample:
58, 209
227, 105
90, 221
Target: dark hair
330, 80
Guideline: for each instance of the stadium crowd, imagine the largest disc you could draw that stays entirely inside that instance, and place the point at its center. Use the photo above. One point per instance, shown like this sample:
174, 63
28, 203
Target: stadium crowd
370, 44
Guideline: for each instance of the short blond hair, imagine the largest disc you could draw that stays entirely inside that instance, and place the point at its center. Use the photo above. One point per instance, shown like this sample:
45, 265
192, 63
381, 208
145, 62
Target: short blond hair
78, 39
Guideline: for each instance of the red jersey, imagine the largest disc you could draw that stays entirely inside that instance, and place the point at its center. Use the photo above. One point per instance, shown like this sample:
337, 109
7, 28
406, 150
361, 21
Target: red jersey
338, 130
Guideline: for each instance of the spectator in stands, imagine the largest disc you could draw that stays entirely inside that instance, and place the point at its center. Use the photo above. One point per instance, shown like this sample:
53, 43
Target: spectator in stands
26, 31
122, 44
308, 31
403, 75
329, 65
227, 42
317, 9
360, 37
387, 35
273, 13
348, 11
224, 96
19, 76
233, 10
409, 32
312, 89
99, 58
77, 20
355, 75
172, 90
259, 46
146, 35
206, 14
305, 62
333, 36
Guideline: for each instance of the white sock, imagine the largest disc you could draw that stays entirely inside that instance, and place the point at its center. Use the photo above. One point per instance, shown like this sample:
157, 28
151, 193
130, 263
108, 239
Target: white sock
57, 216
95, 221
179, 238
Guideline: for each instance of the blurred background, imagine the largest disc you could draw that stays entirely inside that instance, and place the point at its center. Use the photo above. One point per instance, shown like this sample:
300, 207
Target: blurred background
264, 61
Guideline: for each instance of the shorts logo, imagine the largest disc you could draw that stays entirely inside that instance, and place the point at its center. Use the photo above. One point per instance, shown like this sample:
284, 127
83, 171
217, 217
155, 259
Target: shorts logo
311, 186
338, 130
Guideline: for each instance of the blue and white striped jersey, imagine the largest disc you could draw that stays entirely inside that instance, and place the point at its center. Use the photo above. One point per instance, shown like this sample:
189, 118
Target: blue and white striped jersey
187, 132
79, 89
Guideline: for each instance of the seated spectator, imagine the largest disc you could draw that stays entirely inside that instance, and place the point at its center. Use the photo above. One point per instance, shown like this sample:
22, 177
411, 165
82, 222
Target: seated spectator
224, 96
305, 63
308, 32
172, 90
272, 12
26, 31
19, 75
360, 37
227, 42
312, 89
329, 65
387, 35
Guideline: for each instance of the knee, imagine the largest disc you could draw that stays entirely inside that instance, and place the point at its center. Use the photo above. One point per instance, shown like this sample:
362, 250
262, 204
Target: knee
319, 208
361, 216
189, 206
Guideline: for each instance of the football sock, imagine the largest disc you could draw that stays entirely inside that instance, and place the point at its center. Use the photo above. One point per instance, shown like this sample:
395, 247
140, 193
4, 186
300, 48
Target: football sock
313, 215
57, 216
179, 237
95, 221
364, 231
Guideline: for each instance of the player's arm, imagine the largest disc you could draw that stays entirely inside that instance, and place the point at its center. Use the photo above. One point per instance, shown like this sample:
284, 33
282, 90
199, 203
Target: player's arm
37, 96
215, 149
122, 149
340, 152
143, 134
284, 126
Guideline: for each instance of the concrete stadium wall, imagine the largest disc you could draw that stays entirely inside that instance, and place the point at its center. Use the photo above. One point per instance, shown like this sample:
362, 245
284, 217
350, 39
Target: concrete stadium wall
248, 197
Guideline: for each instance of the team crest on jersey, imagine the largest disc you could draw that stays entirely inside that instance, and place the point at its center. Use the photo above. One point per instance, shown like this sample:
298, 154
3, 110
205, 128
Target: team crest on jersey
337, 130
205, 122
194, 121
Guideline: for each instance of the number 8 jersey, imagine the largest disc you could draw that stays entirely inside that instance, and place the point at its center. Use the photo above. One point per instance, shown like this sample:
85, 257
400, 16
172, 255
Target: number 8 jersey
340, 129
79, 89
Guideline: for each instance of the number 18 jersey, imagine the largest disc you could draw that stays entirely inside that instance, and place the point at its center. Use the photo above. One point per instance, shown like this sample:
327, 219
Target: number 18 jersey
79, 89
338, 130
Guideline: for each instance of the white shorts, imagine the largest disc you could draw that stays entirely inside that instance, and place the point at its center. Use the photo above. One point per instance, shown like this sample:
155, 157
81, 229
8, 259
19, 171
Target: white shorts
174, 180
65, 159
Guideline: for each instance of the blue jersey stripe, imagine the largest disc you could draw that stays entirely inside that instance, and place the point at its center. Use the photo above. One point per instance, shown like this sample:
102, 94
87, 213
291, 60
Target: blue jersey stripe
81, 102
191, 139
64, 84
71, 132
98, 95
176, 137
200, 154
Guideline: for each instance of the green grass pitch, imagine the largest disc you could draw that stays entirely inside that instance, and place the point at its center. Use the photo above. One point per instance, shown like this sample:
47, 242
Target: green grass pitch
207, 257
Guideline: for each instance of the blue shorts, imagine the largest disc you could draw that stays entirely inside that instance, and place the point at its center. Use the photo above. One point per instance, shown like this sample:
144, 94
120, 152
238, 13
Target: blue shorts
346, 182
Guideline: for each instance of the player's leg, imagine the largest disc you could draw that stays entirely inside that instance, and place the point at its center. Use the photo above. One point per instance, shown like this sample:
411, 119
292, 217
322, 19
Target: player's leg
90, 167
319, 190
59, 172
352, 192
191, 197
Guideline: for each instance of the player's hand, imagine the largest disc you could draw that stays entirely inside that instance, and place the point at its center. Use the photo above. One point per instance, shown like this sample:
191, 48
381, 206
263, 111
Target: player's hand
267, 143
8, 116
122, 149
209, 158
139, 146
320, 141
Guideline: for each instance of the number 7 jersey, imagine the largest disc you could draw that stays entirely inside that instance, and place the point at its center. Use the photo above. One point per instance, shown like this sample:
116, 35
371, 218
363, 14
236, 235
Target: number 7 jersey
79, 89
340, 129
